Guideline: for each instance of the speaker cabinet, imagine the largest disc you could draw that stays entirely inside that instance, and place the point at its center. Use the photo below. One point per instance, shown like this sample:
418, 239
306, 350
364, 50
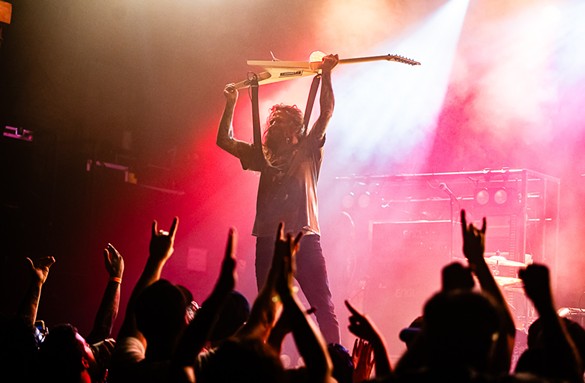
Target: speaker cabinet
404, 270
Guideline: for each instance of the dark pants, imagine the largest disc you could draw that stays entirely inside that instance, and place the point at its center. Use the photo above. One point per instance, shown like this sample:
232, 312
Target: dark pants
311, 276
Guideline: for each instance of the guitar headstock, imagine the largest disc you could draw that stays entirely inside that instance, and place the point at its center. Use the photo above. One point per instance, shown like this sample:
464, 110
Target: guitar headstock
402, 59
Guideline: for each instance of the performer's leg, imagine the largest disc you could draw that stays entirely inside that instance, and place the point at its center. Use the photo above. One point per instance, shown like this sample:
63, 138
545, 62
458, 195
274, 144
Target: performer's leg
312, 277
264, 255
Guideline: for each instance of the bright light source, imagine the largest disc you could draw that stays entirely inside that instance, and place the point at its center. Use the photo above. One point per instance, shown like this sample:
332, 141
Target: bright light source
387, 100
5, 12
364, 200
501, 196
482, 197
316, 57
348, 201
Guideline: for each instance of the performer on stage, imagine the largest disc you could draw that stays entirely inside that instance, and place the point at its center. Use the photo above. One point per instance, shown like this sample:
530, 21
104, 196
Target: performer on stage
289, 170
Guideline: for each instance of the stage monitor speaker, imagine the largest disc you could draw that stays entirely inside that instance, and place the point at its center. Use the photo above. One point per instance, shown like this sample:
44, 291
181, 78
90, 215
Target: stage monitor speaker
404, 270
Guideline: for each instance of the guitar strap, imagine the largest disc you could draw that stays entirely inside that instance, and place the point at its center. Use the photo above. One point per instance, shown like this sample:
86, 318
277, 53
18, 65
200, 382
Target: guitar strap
256, 117
311, 101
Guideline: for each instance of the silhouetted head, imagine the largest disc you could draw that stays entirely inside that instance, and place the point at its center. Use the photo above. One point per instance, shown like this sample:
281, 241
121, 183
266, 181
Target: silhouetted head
65, 356
233, 314
410, 333
460, 327
161, 313
342, 362
532, 358
236, 361
456, 276
18, 346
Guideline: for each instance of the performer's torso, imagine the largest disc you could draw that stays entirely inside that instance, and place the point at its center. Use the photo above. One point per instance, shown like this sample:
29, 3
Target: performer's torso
289, 193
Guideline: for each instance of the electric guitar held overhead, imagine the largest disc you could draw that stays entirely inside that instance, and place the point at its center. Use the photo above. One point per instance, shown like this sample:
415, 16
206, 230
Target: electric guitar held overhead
277, 70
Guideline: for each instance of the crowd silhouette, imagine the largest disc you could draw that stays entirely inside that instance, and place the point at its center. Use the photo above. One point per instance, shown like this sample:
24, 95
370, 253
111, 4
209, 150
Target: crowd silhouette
466, 332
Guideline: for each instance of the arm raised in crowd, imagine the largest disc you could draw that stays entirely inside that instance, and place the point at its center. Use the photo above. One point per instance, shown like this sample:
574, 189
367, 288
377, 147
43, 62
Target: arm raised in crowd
362, 327
160, 250
308, 339
39, 271
267, 306
473, 249
197, 333
108, 309
561, 358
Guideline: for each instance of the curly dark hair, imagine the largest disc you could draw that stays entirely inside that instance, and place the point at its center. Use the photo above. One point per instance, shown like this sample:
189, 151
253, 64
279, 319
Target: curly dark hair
284, 121
292, 112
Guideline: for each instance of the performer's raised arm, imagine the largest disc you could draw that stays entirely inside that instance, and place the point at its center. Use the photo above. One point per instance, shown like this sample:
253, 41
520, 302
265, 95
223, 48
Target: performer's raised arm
327, 100
287, 190
225, 133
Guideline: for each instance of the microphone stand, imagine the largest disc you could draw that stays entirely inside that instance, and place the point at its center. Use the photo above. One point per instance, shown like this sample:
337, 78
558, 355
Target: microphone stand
452, 199
452, 204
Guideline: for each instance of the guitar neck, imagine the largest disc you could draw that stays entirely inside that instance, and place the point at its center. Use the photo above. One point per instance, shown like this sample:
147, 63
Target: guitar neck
396, 58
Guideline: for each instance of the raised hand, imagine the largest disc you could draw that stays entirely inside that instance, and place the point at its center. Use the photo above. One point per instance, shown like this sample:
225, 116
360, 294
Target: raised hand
228, 277
277, 289
40, 269
561, 361
473, 249
108, 309
113, 261
308, 339
160, 250
231, 93
370, 340
285, 249
473, 240
362, 356
536, 280
284, 264
161, 241
39, 272
329, 62
360, 325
